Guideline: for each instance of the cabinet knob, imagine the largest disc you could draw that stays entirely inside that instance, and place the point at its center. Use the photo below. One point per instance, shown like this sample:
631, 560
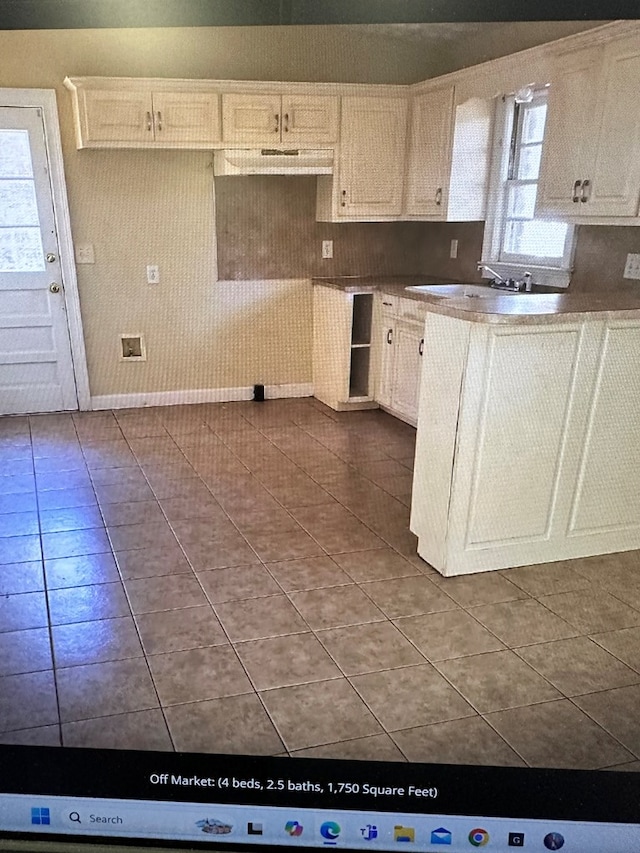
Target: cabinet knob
390, 336
586, 191
421, 347
576, 187
343, 203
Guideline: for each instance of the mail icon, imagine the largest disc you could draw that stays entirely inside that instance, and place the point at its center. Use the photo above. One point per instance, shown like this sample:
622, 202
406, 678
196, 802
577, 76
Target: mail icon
440, 836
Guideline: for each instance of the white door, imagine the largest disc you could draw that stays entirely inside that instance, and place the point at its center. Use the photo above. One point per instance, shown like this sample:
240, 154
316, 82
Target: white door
36, 370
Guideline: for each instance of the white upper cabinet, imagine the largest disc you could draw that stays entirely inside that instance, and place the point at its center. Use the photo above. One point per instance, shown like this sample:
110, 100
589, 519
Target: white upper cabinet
124, 118
367, 183
429, 162
591, 157
259, 118
449, 157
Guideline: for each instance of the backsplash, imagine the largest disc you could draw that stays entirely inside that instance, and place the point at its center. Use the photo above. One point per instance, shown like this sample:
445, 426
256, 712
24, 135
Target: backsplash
600, 256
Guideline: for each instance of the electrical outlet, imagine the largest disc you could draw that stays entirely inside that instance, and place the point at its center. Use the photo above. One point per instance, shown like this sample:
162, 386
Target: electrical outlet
453, 251
85, 253
632, 267
153, 274
327, 248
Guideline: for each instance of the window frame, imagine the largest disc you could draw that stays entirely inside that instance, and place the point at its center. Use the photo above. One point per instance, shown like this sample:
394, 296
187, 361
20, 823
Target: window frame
546, 271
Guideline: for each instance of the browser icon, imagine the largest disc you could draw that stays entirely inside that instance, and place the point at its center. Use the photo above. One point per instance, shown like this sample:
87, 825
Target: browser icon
440, 836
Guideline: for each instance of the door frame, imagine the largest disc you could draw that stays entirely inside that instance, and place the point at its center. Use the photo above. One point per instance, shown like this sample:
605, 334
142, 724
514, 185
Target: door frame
45, 99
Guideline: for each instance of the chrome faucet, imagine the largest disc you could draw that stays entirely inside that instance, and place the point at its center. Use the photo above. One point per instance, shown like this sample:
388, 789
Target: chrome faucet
523, 284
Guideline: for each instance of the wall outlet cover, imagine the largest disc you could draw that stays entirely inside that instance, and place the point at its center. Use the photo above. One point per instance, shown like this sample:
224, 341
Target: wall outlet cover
453, 251
153, 274
132, 348
632, 266
327, 248
85, 253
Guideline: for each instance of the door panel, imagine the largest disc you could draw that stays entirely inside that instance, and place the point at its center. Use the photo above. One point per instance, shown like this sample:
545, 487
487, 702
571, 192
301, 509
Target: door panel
183, 117
117, 116
36, 370
251, 118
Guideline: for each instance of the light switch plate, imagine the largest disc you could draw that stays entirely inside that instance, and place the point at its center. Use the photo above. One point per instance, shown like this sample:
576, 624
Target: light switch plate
327, 249
453, 251
153, 274
632, 267
85, 253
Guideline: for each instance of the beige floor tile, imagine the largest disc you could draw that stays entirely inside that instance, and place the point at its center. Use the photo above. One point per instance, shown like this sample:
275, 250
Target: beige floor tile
481, 588
497, 680
308, 573
168, 592
19, 524
283, 545
548, 578
109, 453
336, 606
196, 674
369, 648
176, 630
624, 644
520, 623
410, 596
27, 701
124, 492
260, 618
284, 661
375, 565
233, 724
578, 666
467, 741
74, 518
215, 525
55, 481
87, 603
604, 569
25, 651
40, 736
23, 611
222, 553
125, 478
66, 498
75, 543
104, 689
81, 571
410, 696
132, 512
16, 578
237, 583
617, 712
451, 634
131, 537
313, 714
95, 642
154, 561
185, 487
592, 610
557, 734
135, 730
187, 507
20, 549
372, 748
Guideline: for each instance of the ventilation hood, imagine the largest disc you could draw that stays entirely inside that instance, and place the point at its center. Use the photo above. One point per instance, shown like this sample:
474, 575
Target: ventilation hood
273, 161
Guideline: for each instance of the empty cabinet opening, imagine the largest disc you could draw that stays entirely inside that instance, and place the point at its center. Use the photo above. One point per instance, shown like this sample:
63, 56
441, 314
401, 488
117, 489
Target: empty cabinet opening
359, 377
362, 312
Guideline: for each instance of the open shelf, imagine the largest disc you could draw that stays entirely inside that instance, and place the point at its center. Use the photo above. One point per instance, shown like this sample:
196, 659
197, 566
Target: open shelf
362, 313
359, 375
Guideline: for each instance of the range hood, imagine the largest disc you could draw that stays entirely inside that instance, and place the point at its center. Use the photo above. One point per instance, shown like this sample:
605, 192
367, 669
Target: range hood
273, 161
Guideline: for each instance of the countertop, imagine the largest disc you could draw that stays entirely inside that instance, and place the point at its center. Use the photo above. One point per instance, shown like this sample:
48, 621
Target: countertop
502, 308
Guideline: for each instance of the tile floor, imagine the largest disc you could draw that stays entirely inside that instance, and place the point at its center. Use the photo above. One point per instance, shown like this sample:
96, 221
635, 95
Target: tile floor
241, 578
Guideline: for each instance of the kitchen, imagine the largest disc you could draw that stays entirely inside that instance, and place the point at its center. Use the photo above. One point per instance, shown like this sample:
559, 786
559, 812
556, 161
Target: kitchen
225, 323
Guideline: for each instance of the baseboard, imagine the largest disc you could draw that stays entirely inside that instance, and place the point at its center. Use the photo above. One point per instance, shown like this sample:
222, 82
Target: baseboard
197, 395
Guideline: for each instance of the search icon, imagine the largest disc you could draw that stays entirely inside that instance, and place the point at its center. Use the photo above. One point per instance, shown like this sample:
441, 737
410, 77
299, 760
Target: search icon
74, 816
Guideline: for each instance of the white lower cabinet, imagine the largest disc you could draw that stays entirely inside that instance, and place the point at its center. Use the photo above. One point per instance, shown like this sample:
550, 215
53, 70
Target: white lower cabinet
526, 448
399, 346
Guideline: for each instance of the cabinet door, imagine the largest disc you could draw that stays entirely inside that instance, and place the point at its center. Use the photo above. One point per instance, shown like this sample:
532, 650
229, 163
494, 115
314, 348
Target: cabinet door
371, 163
430, 152
567, 152
112, 116
386, 348
615, 173
309, 118
406, 370
251, 118
186, 117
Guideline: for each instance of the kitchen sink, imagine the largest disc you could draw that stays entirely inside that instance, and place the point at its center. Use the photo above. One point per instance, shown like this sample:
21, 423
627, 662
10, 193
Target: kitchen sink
455, 291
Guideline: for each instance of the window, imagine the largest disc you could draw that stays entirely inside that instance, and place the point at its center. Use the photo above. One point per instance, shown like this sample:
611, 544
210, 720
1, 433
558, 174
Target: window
515, 239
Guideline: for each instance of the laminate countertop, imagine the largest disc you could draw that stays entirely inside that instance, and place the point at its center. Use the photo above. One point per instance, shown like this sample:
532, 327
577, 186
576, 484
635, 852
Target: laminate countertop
541, 308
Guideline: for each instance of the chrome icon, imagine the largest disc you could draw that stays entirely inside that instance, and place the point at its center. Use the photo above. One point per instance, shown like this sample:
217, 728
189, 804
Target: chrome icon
330, 830
478, 837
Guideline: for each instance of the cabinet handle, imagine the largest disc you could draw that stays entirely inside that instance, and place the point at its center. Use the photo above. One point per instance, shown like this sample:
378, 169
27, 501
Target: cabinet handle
390, 336
576, 187
277, 127
286, 122
387, 303
343, 203
421, 347
149, 121
586, 191
439, 196
159, 120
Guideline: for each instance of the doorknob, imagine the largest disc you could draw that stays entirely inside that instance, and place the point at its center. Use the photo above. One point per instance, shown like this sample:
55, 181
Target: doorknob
50, 257
54, 287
